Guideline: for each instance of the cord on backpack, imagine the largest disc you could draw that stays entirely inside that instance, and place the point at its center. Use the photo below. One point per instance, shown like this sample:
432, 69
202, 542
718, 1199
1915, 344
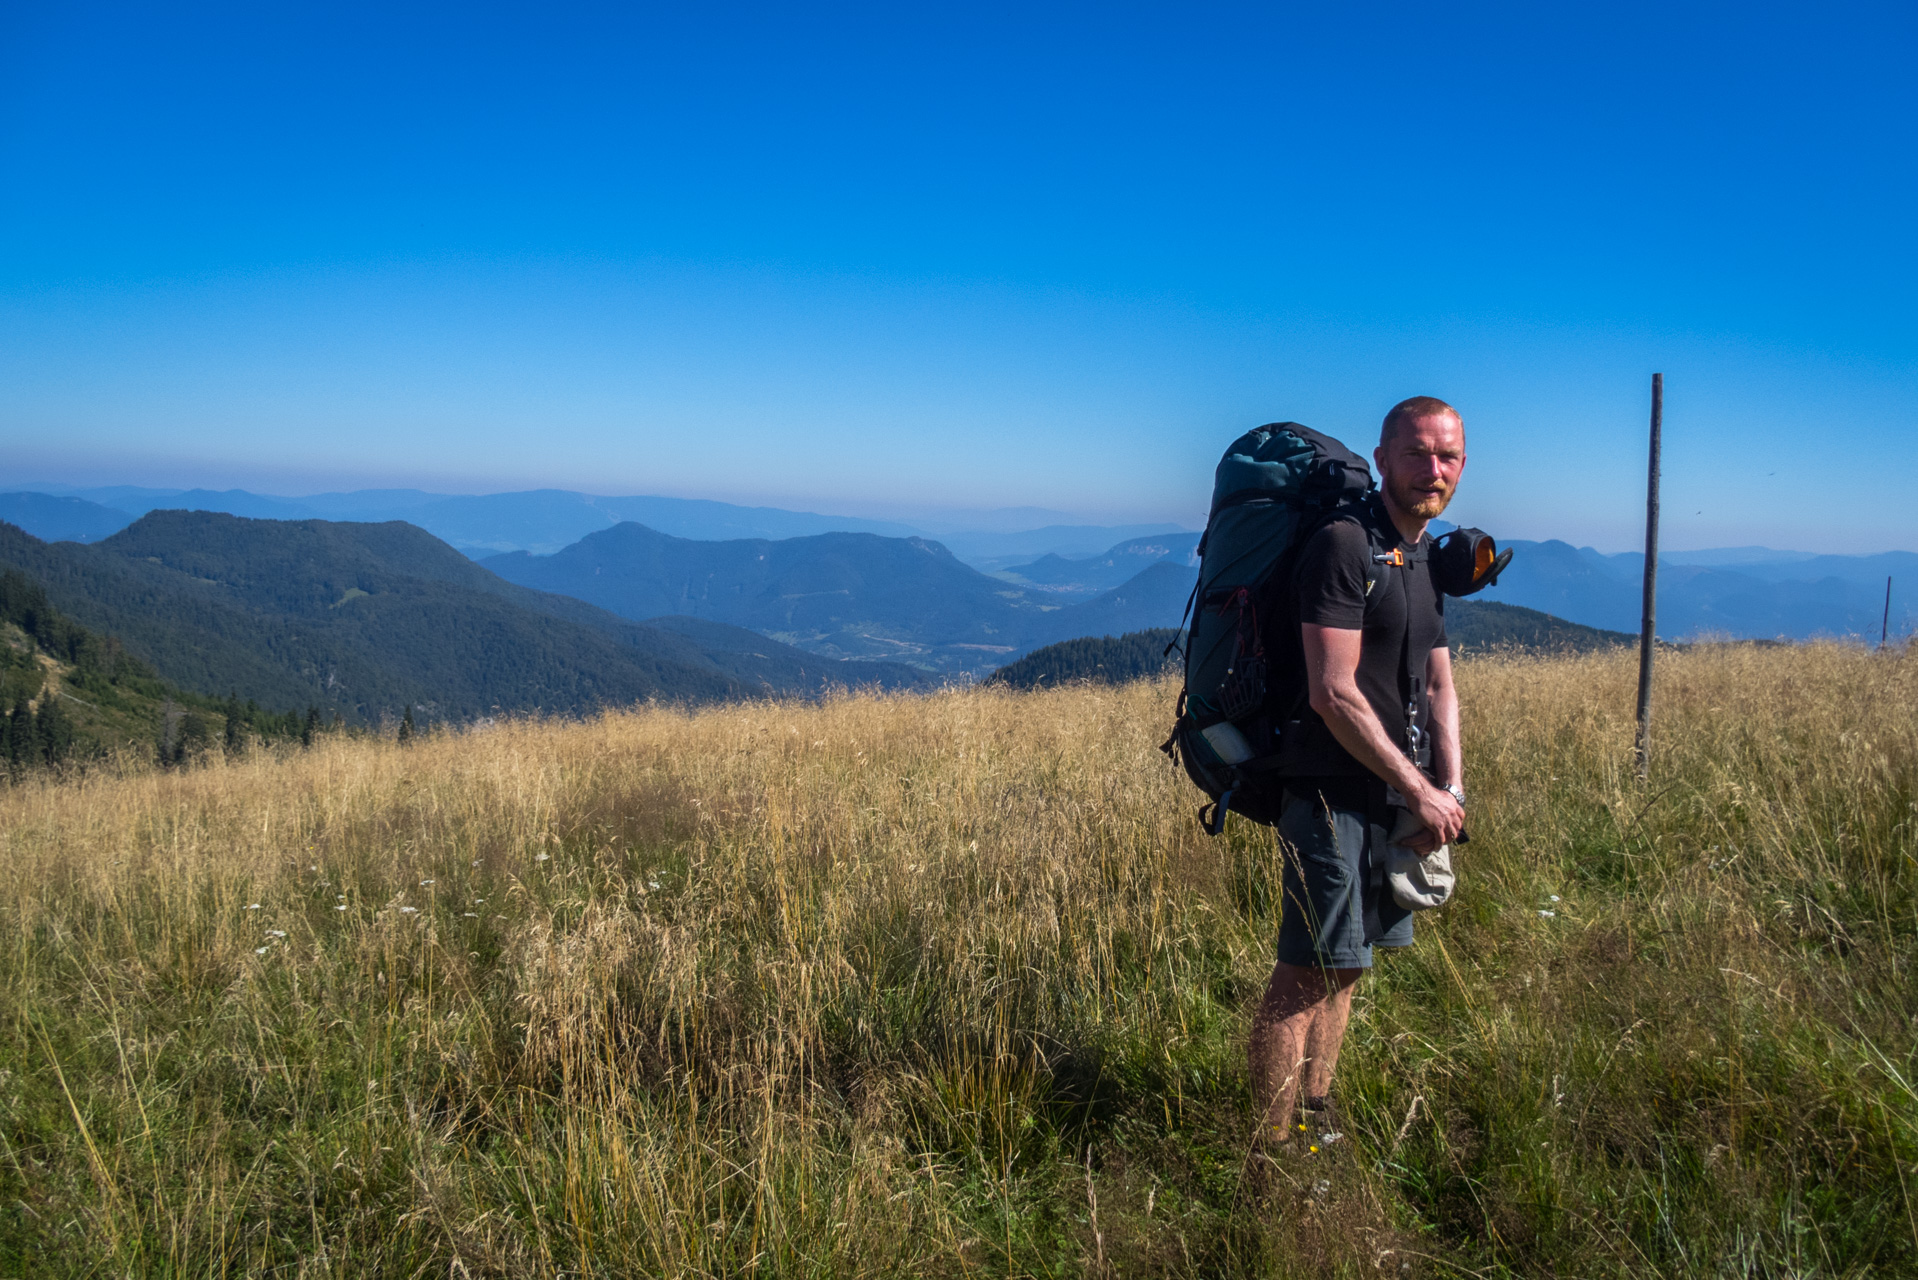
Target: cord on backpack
1212, 816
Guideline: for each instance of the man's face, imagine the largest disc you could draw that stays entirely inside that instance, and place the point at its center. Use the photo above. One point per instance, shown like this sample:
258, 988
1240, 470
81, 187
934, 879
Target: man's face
1419, 468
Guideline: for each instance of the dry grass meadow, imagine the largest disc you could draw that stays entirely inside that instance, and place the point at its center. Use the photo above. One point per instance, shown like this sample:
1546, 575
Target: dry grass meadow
954, 985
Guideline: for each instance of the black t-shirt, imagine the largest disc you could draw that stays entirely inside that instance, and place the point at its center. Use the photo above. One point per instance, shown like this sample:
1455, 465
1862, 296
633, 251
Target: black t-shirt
1339, 582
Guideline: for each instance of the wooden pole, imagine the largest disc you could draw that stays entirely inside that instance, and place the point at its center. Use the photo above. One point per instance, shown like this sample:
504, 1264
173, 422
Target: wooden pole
1649, 617
1884, 628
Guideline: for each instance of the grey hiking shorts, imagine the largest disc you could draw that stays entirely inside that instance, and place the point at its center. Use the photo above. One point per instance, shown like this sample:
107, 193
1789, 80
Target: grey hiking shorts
1337, 907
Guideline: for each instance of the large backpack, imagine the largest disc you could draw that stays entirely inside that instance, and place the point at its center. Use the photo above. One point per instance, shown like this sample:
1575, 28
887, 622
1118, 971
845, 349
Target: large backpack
1275, 486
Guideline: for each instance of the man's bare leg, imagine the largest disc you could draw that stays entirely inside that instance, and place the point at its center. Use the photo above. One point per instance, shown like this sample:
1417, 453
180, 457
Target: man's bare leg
1328, 1032
1295, 1039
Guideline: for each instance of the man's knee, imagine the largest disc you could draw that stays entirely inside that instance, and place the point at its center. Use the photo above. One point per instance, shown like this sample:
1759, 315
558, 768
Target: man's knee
1315, 976
1300, 989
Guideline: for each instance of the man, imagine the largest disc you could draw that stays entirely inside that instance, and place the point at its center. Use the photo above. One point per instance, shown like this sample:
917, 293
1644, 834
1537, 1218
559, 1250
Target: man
1367, 616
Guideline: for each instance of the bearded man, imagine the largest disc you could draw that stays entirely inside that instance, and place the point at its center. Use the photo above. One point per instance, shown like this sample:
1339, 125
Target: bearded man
1380, 739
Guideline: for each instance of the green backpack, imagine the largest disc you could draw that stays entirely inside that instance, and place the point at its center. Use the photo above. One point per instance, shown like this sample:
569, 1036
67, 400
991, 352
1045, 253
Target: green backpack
1275, 486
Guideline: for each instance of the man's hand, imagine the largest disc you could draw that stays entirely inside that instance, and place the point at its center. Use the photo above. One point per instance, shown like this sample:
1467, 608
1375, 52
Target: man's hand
1439, 814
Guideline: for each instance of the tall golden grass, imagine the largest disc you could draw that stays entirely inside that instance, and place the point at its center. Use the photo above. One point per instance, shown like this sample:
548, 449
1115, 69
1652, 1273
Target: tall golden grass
953, 983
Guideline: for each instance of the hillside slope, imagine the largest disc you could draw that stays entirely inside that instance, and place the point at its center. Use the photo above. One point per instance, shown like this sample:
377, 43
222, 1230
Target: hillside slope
365, 619
857, 595
1483, 624
69, 694
846, 595
1471, 627
1116, 566
1155, 597
1139, 655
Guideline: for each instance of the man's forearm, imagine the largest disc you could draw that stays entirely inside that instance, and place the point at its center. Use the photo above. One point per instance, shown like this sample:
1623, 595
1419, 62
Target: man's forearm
1448, 765
1356, 726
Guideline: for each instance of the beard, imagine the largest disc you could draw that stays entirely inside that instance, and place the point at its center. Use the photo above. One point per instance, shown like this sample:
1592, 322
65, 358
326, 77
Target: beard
1421, 503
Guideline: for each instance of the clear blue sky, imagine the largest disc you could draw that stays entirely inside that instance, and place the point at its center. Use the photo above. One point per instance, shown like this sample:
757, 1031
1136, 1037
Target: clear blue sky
885, 259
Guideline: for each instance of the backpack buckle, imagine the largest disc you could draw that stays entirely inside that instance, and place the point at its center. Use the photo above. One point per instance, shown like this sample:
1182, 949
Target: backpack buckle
1395, 557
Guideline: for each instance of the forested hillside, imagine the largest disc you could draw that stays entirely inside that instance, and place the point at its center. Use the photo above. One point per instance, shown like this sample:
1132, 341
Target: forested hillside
68, 694
857, 594
1079, 579
1474, 624
1138, 655
369, 619
1471, 626
837, 594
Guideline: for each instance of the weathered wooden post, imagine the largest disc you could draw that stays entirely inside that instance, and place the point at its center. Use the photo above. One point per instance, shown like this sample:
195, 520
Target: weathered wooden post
1649, 618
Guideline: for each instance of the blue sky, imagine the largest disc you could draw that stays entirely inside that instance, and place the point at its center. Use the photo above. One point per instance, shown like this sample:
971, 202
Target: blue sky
882, 260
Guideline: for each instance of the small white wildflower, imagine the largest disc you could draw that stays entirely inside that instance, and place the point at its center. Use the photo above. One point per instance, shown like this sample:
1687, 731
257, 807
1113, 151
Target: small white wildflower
1555, 897
1329, 1138
314, 867
652, 884
276, 933
540, 858
476, 862
470, 915
340, 896
252, 906
341, 907
478, 901
424, 883
409, 911
1548, 914
259, 951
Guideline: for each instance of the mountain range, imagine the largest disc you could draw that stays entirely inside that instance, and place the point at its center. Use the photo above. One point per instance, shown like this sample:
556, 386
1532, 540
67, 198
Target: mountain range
369, 618
1088, 576
1739, 592
844, 595
545, 520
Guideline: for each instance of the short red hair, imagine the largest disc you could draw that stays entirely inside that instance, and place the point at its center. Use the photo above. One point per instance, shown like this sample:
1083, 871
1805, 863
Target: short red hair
1406, 412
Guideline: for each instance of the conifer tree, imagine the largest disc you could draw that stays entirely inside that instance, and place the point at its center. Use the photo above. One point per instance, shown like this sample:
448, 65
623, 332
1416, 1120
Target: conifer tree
235, 726
406, 725
53, 732
20, 735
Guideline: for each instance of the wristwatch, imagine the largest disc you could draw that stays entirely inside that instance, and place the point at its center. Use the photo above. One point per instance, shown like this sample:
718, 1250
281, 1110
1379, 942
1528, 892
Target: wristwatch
1458, 793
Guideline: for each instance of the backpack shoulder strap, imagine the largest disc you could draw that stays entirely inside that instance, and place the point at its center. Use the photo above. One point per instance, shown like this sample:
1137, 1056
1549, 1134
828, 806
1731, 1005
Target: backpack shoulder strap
1411, 664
